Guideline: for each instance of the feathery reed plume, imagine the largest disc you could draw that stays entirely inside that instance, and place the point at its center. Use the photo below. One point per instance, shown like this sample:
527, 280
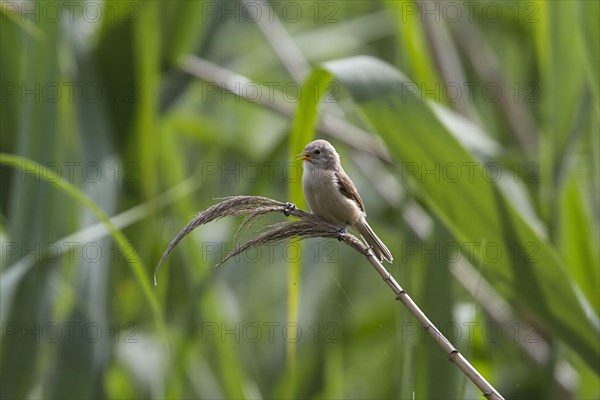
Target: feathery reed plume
254, 207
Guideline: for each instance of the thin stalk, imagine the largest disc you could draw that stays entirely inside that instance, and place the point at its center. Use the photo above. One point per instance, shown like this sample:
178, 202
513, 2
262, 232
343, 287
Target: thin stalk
454, 355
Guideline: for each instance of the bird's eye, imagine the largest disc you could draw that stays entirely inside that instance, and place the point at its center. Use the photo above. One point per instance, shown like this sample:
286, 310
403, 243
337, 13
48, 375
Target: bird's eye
317, 152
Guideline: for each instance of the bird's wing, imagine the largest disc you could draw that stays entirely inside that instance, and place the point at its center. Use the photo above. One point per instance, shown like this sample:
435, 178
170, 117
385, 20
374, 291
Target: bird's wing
348, 189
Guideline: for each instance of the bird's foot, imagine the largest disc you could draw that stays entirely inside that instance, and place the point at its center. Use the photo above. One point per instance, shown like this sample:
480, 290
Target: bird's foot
340, 230
288, 208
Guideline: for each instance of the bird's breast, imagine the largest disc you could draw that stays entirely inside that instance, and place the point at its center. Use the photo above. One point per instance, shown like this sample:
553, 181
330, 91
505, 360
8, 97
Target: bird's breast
325, 199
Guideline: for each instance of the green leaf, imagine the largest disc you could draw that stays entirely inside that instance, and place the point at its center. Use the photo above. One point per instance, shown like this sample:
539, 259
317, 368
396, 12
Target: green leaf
146, 45
303, 131
578, 241
561, 95
588, 16
513, 255
303, 125
72, 191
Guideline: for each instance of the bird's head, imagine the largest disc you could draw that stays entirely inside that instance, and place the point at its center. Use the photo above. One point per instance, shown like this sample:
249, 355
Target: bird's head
320, 153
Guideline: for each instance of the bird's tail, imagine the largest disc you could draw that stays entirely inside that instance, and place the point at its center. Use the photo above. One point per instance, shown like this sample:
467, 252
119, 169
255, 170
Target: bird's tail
380, 249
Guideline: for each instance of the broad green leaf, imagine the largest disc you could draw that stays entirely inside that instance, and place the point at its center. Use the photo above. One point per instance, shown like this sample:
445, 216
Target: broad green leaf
513, 256
561, 82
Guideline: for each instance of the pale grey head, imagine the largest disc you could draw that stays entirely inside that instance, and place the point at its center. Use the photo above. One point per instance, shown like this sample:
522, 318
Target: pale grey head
322, 154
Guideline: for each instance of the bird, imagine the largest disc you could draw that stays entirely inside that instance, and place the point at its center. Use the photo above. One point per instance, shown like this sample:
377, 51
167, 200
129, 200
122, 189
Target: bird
331, 194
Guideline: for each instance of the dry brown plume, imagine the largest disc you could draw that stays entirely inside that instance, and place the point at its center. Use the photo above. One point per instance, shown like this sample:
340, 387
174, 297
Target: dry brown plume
253, 207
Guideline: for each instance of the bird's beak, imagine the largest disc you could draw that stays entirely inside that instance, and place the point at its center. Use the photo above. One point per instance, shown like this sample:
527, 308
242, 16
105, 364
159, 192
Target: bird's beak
305, 156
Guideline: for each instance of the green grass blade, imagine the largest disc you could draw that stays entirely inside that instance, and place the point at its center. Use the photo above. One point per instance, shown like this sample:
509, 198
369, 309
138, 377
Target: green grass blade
52, 178
588, 16
303, 131
303, 125
562, 82
147, 47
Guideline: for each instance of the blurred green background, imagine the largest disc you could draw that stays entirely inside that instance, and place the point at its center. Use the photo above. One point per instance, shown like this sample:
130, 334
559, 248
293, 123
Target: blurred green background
470, 128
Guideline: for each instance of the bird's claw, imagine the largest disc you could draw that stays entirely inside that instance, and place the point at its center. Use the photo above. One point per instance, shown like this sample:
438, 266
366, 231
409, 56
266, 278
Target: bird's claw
288, 208
340, 230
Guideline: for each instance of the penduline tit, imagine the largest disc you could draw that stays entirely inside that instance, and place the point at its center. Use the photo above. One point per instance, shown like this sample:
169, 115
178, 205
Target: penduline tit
332, 196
